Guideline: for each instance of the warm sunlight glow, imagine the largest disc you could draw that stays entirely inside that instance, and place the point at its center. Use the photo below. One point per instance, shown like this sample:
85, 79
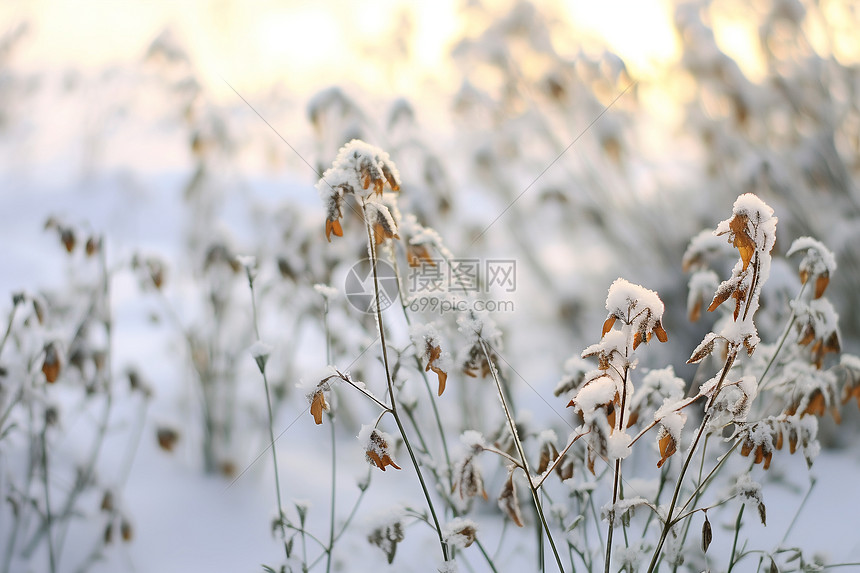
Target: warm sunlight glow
640, 31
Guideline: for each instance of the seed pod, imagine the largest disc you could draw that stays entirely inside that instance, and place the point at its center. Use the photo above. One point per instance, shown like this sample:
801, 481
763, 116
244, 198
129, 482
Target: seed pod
707, 534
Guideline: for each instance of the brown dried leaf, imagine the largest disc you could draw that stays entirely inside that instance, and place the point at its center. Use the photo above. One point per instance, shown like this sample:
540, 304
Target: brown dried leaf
167, 438
416, 255
51, 365
333, 227
318, 406
821, 284
696, 311
668, 446
661, 333
508, 501
607, 326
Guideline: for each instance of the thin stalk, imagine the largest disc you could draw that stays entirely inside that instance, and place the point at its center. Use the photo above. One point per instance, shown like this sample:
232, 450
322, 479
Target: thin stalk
394, 413
799, 509
48, 515
487, 557
522, 454
668, 524
262, 366
617, 473
9, 325
84, 479
735, 542
427, 385
332, 503
696, 495
333, 497
782, 339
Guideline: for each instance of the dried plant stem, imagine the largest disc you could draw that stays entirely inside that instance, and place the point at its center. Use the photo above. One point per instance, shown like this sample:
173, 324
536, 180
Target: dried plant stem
426, 380
617, 473
333, 500
85, 477
523, 462
782, 339
9, 325
705, 419
738, 524
262, 365
48, 514
393, 408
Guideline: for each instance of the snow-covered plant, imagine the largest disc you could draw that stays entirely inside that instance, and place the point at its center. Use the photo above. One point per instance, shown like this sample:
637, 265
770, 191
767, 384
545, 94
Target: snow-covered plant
62, 398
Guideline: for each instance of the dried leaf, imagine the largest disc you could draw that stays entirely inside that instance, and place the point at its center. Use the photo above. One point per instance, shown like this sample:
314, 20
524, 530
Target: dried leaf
548, 455
695, 312
667, 446
51, 365
434, 352
821, 284
333, 226
378, 451
661, 333
508, 501
318, 406
742, 240
704, 349
607, 326
416, 255
565, 468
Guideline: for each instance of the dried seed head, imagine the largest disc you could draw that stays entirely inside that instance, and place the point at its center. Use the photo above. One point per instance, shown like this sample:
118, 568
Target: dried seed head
707, 534
51, 364
167, 438
107, 501
386, 537
67, 237
377, 449
460, 532
126, 531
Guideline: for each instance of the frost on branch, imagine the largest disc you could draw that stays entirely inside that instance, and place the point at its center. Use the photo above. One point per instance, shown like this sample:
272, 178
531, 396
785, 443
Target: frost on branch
364, 171
604, 399
732, 405
817, 264
810, 390
637, 307
657, 387
761, 438
752, 230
